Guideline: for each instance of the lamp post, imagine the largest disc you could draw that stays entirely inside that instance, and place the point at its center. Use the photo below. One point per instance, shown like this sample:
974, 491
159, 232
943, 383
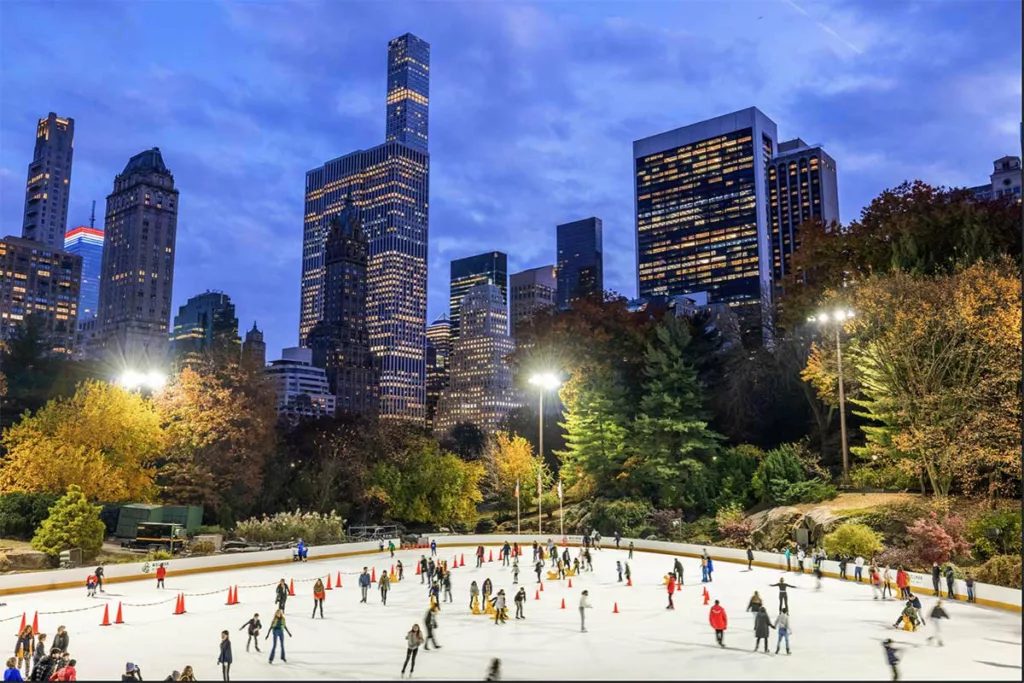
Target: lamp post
543, 381
839, 318
133, 380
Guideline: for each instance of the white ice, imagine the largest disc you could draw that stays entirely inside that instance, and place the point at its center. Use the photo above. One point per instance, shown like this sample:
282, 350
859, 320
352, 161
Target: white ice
836, 632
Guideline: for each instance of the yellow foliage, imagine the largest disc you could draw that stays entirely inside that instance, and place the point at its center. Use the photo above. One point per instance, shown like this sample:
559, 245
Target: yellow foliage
509, 460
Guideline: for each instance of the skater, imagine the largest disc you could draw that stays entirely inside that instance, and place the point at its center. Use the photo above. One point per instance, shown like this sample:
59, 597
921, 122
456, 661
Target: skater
131, 673
576, 566
589, 559
25, 648
319, 594
431, 570
474, 593
225, 658
99, 579
494, 672
506, 550
800, 557
711, 570
892, 657
384, 585
858, 568
500, 613
301, 551
487, 588
677, 569
782, 626
281, 594
750, 559
401, 570
876, 585
423, 568
629, 575
755, 603
936, 615
61, 640
618, 568
671, 588
479, 556
413, 640
584, 605
631, 550
435, 595
447, 587
936, 578
391, 548
916, 602
969, 582
535, 551
433, 548
903, 583
703, 569
364, 584
520, 601
161, 574
68, 672
842, 567
187, 674
278, 627
950, 582
45, 666
789, 565
515, 549
783, 597
13, 673
910, 612
538, 568
618, 538
817, 574
719, 621
430, 621
90, 586
254, 627
887, 582
762, 623
515, 571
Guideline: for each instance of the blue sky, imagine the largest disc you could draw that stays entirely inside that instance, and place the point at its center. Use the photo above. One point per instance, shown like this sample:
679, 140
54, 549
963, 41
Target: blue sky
534, 107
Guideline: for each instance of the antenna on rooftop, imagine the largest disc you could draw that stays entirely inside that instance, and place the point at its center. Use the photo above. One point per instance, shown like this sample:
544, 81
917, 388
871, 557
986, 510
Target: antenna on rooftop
92, 218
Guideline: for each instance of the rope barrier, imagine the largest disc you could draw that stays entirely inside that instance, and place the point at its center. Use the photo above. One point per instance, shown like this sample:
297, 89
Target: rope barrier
16, 616
149, 604
80, 609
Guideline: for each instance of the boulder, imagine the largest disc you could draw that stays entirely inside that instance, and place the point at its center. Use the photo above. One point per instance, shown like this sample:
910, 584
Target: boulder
820, 521
774, 528
21, 560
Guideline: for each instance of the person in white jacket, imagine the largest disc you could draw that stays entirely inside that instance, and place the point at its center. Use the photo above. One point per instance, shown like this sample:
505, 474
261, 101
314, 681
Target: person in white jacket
782, 625
584, 605
858, 568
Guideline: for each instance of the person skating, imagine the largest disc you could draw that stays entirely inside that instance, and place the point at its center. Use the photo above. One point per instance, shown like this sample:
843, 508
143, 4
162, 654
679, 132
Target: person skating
391, 548
301, 551
278, 627
783, 597
762, 624
494, 670
423, 569
161, 574
430, 622
782, 626
535, 548
618, 569
515, 571
384, 585
629, 573
435, 594
40, 649
281, 595
800, 557
506, 550
858, 569
447, 587
413, 640
401, 570
711, 570
950, 582
916, 602
887, 582
90, 586
589, 559
431, 570
969, 582
520, 601
750, 559
631, 550
671, 588
818, 576
433, 548
755, 603
876, 585
538, 568
576, 566
911, 613
131, 672
719, 622
677, 569
364, 584
515, 549
937, 614
903, 583
62, 639
13, 673
99, 579
187, 674
789, 560
225, 657
474, 593
69, 672
584, 605
500, 613
479, 556
936, 578
487, 588
25, 648
892, 657
618, 538
703, 569
319, 595
45, 666
254, 627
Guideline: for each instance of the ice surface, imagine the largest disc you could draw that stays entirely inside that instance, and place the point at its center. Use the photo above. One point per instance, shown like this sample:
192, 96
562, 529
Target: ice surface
836, 632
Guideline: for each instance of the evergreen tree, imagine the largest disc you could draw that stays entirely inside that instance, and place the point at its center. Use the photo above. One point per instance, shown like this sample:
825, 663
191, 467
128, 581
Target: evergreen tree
73, 523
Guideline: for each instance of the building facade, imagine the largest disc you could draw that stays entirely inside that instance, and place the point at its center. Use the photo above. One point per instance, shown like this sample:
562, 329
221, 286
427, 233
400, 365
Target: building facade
408, 92
87, 243
301, 390
207, 322
390, 186
439, 345
340, 341
580, 261
802, 185
254, 349
137, 273
701, 215
481, 386
466, 273
531, 291
48, 187
1005, 180
43, 282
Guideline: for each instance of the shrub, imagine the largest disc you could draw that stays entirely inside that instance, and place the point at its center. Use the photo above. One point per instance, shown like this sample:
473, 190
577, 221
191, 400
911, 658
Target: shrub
734, 469
21, 514
199, 548
630, 517
312, 527
211, 529
485, 525
776, 472
852, 540
900, 557
935, 541
732, 525
700, 532
1001, 570
810, 491
666, 522
1006, 542
73, 523
886, 476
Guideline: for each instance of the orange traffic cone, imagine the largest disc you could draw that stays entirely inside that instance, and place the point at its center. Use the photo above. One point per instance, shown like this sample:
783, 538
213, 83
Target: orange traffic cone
563, 603
462, 561
339, 579
629, 581
490, 556
418, 569
570, 583
706, 596
35, 624
231, 597
291, 587
373, 575
542, 587
537, 596
106, 616
392, 569
615, 609
22, 627
179, 605
234, 597
119, 619
329, 587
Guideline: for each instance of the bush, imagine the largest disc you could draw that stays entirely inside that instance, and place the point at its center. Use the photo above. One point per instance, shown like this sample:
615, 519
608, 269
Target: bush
734, 469
1001, 570
200, 548
851, 540
312, 527
732, 525
630, 517
21, 514
666, 522
901, 557
778, 470
73, 523
485, 525
211, 529
1006, 542
810, 491
700, 532
935, 541
886, 476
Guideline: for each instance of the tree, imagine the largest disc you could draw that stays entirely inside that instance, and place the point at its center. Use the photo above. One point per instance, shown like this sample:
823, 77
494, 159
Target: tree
852, 540
467, 441
104, 439
780, 469
510, 461
73, 523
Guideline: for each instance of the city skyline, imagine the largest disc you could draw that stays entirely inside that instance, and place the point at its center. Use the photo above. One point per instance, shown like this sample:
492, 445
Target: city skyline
575, 138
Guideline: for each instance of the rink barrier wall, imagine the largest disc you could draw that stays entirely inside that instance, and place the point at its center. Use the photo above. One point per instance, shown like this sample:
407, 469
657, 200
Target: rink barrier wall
999, 597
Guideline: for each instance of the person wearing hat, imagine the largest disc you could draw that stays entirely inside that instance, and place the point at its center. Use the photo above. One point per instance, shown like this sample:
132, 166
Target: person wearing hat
131, 673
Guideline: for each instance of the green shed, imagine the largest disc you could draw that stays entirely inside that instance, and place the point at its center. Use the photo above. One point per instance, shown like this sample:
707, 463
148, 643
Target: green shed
189, 516
129, 518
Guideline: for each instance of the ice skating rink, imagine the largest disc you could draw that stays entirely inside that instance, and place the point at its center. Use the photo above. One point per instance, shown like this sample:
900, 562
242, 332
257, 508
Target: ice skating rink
836, 632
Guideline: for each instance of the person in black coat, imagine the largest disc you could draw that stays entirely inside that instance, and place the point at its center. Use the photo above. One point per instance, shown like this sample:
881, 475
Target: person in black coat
225, 655
936, 580
99, 579
783, 597
430, 622
950, 582
677, 569
750, 559
282, 595
254, 627
62, 639
45, 667
762, 624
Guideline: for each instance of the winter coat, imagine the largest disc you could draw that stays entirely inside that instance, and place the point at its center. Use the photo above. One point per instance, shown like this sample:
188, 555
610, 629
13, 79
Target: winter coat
938, 613
279, 625
902, 579
671, 585
755, 604
750, 554
43, 669
782, 621
890, 655
430, 621
61, 640
761, 624
68, 673
717, 617
936, 573
161, 573
254, 626
916, 602
474, 590
13, 675
585, 602
950, 575
488, 587
225, 652
711, 565
413, 640
520, 598
678, 566
364, 580
25, 647
321, 593
282, 593
385, 581
499, 602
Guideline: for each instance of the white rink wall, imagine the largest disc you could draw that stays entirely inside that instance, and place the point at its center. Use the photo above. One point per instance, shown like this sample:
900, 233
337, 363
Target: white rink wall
29, 582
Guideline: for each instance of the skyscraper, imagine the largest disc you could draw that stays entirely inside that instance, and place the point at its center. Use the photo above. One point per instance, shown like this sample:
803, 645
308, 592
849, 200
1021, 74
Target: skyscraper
802, 186
439, 346
408, 91
466, 273
87, 243
42, 282
340, 341
206, 322
390, 186
254, 349
137, 275
301, 390
49, 182
481, 387
580, 261
531, 291
701, 215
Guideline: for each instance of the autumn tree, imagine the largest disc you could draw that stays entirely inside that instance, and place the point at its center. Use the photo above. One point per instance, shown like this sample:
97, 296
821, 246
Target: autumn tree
509, 461
73, 523
104, 439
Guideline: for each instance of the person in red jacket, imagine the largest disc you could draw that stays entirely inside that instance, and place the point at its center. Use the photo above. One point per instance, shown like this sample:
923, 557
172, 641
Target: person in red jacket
671, 590
319, 594
719, 622
161, 574
903, 582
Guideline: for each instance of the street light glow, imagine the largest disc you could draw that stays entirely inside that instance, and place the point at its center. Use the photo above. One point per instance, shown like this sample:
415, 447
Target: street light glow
133, 379
838, 315
546, 380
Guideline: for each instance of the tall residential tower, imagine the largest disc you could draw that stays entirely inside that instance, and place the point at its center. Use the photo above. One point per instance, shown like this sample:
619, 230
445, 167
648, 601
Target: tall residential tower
467, 273
408, 91
87, 243
531, 290
580, 261
49, 182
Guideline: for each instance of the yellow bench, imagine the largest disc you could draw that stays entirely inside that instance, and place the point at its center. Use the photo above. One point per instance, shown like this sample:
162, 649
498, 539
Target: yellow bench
552, 576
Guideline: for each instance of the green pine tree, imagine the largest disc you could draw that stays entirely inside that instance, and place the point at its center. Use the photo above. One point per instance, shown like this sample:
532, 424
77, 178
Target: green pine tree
73, 523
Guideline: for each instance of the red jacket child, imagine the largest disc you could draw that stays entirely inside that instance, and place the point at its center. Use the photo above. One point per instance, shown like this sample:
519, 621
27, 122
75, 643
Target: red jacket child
719, 621
161, 572
671, 585
902, 579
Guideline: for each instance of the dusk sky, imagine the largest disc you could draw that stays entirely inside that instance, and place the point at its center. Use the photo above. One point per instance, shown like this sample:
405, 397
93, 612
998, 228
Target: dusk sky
533, 111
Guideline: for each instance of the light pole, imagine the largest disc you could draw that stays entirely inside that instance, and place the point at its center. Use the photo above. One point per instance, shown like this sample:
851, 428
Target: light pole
839, 318
133, 380
543, 381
